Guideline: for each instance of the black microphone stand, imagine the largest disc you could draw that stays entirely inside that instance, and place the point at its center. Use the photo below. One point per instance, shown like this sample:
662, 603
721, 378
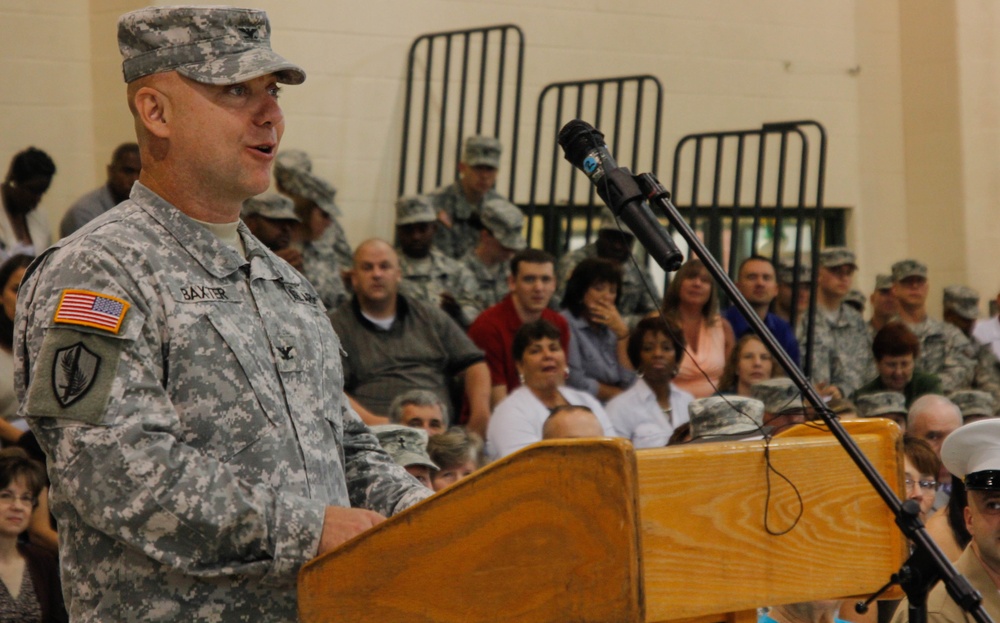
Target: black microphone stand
927, 564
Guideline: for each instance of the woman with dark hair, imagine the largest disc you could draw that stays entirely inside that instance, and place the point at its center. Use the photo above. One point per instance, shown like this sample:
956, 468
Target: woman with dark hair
598, 333
896, 349
541, 363
749, 363
29, 575
23, 228
651, 410
692, 302
11, 272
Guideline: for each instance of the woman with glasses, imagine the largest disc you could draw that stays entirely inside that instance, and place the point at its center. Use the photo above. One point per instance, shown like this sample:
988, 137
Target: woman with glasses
29, 575
920, 468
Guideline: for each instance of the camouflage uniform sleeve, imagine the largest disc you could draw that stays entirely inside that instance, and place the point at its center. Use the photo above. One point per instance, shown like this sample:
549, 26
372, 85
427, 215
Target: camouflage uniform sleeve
376, 482
959, 364
117, 458
465, 287
987, 376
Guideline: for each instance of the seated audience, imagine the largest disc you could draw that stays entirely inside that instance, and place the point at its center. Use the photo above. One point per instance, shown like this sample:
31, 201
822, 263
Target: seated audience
727, 418
756, 281
29, 574
457, 453
750, 362
420, 408
541, 362
692, 302
429, 275
532, 282
395, 344
270, 218
921, 466
890, 405
408, 448
12, 427
933, 418
499, 223
896, 350
24, 228
650, 411
597, 332
783, 403
122, 173
572, 422
961, 310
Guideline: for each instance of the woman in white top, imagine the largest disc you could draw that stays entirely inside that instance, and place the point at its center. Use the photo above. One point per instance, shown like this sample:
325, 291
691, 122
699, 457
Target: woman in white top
517, 421
23, 228
650, 411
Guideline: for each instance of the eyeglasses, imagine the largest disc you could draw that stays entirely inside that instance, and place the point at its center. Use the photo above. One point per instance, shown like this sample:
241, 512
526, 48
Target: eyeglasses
927, 486
8, 497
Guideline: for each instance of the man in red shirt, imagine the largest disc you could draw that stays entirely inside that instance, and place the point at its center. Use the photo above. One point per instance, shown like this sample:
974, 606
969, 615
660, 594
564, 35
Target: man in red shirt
532, 283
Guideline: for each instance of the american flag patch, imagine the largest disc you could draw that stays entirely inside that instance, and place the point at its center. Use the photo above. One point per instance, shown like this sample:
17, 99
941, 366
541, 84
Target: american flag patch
91, 309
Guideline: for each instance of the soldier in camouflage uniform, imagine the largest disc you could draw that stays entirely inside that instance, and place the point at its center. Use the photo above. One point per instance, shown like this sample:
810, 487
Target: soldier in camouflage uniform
974, 404
456, 203
961, 309
499, 239
614, 242
430, 276
842, 359
183, 381
885, 305
944, 350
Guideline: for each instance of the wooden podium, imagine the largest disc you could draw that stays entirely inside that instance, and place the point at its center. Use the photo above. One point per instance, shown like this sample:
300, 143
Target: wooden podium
594, 531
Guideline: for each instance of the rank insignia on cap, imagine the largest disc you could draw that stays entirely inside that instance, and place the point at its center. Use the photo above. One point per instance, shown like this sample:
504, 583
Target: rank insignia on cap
91, 309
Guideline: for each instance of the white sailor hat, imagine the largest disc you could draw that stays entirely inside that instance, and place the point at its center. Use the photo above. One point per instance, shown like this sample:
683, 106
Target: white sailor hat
973, 454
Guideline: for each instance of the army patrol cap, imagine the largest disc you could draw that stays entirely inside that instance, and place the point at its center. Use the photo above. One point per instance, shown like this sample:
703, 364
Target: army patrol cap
908, 268
779, 395
974, 403
481, 151
962, 300
609, 222
786, 274
837, 256
208, 44
883, 282
725, 415
414, 209
881, 403
291, 161
305, 184
857, 299
270, 205
406, 445
504, 220
972, 453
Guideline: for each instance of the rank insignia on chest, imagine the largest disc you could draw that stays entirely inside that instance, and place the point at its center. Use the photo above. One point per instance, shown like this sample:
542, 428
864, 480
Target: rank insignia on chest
91, 309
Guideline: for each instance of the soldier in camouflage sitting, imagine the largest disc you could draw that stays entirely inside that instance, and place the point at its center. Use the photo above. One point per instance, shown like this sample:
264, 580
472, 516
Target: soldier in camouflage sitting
499, 239
961, 309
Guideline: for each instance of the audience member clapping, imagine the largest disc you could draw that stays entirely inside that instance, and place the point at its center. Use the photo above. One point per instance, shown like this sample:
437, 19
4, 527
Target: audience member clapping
541, 361
457, 453
651, 410
597, 359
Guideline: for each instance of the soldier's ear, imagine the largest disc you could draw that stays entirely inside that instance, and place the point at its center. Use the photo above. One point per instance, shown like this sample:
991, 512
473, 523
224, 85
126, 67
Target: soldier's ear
153, 111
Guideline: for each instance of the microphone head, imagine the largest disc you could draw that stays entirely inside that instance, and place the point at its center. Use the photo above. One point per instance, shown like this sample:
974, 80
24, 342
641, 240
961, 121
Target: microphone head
577, 139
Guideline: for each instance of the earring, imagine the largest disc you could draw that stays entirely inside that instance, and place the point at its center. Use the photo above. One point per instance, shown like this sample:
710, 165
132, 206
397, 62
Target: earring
520, 377
566, 371
639, 373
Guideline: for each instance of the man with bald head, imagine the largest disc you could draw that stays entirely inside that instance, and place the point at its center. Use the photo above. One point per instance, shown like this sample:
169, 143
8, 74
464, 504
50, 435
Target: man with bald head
572, 422
395, 343
932, 418
184, 381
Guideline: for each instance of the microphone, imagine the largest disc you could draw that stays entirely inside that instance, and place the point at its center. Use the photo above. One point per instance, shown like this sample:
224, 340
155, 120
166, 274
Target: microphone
584, 148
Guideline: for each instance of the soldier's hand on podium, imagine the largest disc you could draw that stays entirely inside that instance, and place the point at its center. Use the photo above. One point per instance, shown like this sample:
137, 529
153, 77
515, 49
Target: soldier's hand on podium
341, 524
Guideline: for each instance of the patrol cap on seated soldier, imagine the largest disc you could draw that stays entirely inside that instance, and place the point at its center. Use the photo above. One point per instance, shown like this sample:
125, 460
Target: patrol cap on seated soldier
883, 282
505, 221
481, 151
270, 206
832, 257
890, 405
961, 307
408, 447
857, 300
906, 269
974, 404
726, 418
783, 404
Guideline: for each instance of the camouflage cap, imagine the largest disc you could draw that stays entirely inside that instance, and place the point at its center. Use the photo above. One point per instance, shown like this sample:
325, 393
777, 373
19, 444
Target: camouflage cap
303, 183
505, 221
973, 403
210, 44
779, 395
290, 161
609, 222
857, 299
962, 300
883, 282
972, 453
908, 268
881, 403
786, 273
270, 205
414, 209
481, 151
725, 415
836, 256
407, 446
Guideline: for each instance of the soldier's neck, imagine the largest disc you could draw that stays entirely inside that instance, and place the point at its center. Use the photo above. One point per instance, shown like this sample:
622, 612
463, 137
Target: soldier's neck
913, 316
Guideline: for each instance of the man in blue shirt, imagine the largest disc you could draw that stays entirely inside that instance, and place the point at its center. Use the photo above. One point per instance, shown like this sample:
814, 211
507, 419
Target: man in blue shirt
757, 282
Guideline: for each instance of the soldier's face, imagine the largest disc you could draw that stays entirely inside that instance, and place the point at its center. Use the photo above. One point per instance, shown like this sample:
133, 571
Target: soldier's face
416, 239
228, 134
477, 180
884, 303
836, 281
911, 292
982, 519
